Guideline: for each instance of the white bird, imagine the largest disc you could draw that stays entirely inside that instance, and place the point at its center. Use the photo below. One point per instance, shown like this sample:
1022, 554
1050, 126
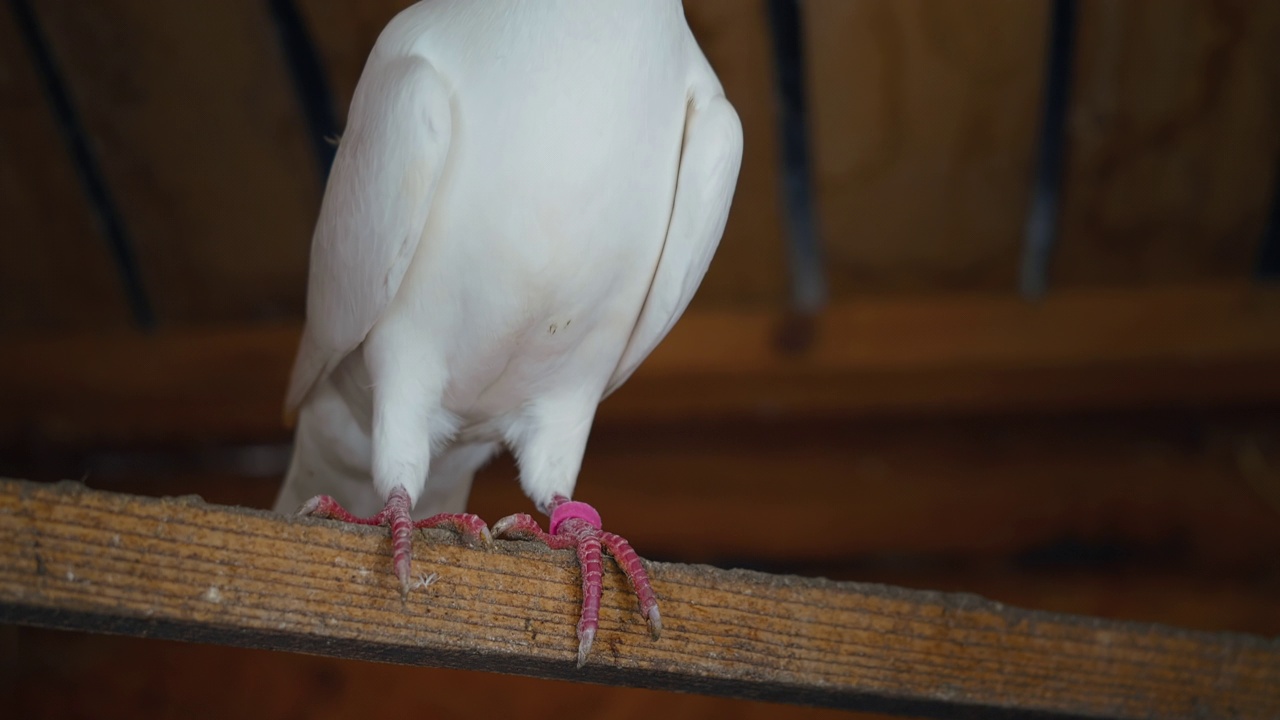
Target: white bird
526, 197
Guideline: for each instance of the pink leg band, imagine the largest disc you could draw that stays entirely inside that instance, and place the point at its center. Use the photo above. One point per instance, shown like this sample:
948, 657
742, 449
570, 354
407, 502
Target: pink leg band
574, 510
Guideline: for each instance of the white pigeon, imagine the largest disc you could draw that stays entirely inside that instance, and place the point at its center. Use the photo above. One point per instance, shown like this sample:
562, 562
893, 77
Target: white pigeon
527, 195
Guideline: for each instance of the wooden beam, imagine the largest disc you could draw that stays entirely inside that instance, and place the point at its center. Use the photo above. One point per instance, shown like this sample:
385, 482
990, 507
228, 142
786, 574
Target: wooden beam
1156, 518
181, 569
1100, 350
1174, 492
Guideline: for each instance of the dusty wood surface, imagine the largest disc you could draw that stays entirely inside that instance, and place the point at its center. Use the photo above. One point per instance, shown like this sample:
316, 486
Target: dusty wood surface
1099, 350
181, 569
1171, 518
1196, 495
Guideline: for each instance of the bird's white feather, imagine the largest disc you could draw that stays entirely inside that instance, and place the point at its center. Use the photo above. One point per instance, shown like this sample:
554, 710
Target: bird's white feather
709, 164
375, 209
526, 199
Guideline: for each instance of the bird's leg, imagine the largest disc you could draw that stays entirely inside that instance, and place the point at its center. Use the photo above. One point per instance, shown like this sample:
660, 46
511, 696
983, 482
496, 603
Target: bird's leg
395, 514
577, 525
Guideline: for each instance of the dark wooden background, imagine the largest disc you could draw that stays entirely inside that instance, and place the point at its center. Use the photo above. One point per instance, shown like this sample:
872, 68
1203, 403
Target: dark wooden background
161, 165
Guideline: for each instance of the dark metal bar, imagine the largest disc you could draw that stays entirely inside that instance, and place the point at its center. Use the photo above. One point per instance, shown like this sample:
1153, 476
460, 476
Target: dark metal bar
808, 284
1269, 257
1041, 232
92, 180
309, 80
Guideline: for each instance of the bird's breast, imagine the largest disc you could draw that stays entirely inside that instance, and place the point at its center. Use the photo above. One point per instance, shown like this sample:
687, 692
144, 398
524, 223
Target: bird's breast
549, 220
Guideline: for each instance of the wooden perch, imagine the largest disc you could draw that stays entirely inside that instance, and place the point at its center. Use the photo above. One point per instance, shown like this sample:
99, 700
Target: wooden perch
181, 569
1075, 351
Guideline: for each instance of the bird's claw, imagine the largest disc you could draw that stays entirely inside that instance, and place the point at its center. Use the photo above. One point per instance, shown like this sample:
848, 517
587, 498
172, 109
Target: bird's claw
473, 531
523, 527
655, 622
402, 565
585, 639
395, 515
583, 534
501, 527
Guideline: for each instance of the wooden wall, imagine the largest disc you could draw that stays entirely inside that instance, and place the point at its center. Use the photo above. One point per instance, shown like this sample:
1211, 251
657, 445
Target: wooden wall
924, 122
45, 220
923, 118
1175, 130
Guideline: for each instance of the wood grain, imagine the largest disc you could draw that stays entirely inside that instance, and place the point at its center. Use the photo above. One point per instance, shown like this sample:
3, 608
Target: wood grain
924, 116
1157, 517
56, 273
185, 570
198, 129
1101, 350
1174, 135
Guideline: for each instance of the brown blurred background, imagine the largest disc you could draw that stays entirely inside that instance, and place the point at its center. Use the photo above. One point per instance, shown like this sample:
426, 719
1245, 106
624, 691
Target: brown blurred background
923, 401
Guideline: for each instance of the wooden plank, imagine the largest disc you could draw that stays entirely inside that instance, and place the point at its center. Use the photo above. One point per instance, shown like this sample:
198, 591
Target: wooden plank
56, 273
198, 129
76, 675
1146, 518
1143, 493
185, 570
1200, 599
1103, 350
1174, 134
923, 118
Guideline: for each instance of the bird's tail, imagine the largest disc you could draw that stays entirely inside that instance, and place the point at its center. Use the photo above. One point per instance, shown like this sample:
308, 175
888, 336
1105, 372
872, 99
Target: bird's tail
331, 455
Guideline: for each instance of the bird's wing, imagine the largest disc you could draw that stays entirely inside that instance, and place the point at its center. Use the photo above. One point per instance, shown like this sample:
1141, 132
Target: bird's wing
374, 213
709, 161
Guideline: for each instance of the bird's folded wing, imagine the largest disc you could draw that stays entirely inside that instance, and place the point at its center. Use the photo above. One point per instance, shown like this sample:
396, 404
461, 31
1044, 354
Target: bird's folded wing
375, 209
709, 163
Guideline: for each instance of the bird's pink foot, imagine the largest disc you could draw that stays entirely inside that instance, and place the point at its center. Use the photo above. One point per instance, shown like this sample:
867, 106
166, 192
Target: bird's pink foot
396, 515
577, 525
